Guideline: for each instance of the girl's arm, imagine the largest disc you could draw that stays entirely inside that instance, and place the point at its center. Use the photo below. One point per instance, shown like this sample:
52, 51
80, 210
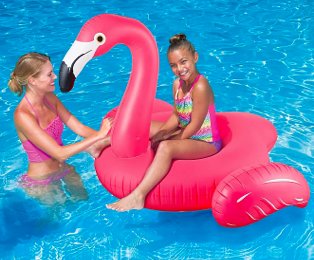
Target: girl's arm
169, 128
173, 122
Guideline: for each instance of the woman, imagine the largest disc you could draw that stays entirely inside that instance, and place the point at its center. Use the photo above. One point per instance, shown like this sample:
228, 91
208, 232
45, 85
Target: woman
191, 131
39, 119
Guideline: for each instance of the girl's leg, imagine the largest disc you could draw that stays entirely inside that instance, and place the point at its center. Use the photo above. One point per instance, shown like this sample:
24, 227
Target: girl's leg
166, 152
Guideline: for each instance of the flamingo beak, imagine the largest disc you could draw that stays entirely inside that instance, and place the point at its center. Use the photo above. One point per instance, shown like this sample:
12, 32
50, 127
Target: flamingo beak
73, 63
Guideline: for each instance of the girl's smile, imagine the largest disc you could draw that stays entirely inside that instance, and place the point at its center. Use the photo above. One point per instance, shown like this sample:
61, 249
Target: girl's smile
182, 63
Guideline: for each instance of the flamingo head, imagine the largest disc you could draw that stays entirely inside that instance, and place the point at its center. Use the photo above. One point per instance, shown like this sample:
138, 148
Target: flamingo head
97, 36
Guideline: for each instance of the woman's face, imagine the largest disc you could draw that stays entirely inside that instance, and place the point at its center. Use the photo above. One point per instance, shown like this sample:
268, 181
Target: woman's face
45, 79
182, 63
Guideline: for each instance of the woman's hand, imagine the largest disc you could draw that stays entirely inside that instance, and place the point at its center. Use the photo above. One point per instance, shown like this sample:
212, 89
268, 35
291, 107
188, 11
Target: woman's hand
105, 127
96, 149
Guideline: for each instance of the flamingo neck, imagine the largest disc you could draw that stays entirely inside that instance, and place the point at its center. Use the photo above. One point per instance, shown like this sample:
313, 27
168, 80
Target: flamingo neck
130, 135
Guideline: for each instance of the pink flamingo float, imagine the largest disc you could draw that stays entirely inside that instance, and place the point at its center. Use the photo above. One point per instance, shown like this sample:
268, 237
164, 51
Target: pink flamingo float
239, 184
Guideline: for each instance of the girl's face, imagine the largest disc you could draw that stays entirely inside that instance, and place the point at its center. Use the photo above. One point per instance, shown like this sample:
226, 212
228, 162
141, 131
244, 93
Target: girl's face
45, 79
182, 63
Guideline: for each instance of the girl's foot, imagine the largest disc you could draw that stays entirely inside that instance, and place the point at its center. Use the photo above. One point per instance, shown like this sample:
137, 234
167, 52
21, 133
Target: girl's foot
132, 201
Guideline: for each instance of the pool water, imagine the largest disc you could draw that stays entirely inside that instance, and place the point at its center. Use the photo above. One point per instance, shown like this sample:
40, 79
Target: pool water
258, 56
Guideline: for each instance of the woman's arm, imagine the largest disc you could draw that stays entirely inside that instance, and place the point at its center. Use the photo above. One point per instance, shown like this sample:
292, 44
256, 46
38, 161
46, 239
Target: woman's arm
28, 126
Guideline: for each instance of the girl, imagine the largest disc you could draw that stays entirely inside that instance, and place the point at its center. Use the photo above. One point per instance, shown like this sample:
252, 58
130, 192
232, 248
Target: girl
191, 131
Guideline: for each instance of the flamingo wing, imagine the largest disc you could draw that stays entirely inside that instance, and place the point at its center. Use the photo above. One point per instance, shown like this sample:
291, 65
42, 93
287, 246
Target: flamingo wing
248, 195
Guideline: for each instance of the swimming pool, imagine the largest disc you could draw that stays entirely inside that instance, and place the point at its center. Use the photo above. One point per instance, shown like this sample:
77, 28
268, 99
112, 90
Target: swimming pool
258, 56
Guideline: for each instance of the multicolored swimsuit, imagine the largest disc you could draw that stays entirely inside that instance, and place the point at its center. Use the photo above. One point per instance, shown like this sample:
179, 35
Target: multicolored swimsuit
209, 131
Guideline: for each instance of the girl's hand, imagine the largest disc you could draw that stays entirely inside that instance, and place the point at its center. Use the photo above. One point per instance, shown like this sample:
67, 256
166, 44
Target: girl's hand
157, 138
164, 135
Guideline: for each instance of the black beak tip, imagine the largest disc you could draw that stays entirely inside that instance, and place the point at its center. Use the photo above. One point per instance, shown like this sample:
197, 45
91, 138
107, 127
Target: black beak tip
66, 78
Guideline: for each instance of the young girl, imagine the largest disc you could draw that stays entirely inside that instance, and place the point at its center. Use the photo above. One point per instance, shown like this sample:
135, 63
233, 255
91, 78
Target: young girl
191, 131
39, 119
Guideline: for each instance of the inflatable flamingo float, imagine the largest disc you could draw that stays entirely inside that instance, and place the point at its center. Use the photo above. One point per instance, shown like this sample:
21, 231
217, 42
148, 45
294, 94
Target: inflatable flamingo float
239, 184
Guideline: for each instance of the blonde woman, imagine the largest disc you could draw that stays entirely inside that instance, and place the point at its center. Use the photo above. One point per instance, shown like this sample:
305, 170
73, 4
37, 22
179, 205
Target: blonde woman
39, 120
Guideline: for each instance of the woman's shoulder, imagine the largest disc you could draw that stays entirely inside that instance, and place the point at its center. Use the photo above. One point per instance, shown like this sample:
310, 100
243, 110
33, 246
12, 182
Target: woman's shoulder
23, 114
54, 101
52, 98
23, 108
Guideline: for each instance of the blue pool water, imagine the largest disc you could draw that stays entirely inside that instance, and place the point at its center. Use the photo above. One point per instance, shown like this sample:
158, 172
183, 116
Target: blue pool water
258, 56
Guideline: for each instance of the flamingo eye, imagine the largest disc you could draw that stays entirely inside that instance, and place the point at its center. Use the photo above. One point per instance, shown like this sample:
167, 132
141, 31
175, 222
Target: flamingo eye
100, 38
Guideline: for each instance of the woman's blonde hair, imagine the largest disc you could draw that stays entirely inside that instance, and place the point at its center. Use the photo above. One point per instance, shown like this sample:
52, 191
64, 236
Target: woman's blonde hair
28, 65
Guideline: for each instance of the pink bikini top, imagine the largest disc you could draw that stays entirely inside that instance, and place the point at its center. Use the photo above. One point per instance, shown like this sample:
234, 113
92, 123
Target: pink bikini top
54, 129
